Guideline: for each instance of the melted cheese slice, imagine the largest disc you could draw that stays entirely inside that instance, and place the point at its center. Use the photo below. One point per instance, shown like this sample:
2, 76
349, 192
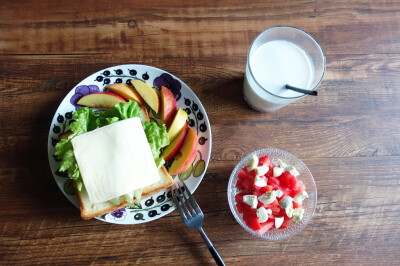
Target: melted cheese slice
115, 160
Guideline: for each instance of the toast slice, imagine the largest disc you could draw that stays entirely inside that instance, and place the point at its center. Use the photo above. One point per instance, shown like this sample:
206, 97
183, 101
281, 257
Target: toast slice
90, 210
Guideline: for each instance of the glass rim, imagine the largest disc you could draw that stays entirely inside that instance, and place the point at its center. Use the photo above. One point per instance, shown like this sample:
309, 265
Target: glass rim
294, 28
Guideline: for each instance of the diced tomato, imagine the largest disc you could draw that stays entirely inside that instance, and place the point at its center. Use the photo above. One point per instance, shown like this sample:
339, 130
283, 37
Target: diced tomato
245, 180
282, 213
252, 173
240, 185
245, 184
299, 187
261, 190
260, 204
265, 160
296, 205
275, 210
242, 173
286, 222
284, 178
239, 197
275, 203
240, 206
250, 218
293, 182
257, 193
292, 193
269, 206
273, 181
248, 210
265, 189
287, 180
267, 225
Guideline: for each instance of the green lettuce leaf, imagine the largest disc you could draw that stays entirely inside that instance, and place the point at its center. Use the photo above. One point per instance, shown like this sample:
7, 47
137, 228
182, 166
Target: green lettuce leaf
157, 137
123, 111
86, 120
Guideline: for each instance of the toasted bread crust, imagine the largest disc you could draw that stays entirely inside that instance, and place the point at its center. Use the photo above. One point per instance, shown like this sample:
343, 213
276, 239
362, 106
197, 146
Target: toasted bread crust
88, 212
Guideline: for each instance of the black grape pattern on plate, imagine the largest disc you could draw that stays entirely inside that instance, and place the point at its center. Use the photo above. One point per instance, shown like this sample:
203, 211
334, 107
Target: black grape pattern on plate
117, 75
153, 206
195, 118
62, 126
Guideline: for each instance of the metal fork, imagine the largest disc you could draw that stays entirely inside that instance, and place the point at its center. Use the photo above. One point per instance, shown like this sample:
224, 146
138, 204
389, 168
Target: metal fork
192, 216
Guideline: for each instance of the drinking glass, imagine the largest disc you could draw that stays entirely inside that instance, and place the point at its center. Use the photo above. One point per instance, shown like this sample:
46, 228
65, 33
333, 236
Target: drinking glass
278, 56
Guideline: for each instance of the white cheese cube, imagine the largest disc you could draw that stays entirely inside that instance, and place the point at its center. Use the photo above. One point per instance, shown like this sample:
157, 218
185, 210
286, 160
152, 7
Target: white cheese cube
262, 214
285, 202
293, 171
262, 170
250, 200
259, 182
278, 221
300, 197
298, 214
277, 171
278, 193
268, 197
282, 164
289, 211
252, 163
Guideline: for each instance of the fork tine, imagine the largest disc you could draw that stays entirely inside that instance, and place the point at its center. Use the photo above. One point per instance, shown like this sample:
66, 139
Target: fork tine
182, 202
194, 203
178, 204
189, 206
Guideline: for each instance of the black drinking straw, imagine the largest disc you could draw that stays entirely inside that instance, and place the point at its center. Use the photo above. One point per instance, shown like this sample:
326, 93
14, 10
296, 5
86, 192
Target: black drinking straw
314, 93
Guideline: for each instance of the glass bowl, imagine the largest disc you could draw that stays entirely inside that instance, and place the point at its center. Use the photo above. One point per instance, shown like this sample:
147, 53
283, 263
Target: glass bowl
308, 204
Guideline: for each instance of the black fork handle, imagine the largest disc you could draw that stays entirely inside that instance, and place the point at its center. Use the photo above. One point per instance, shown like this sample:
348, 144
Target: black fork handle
216, 256
212, 249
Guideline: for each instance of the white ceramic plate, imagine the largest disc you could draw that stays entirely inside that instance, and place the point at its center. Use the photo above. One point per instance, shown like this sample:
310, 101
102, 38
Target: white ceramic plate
161, 203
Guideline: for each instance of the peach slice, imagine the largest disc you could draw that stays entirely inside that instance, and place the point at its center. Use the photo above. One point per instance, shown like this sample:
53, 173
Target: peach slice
101, 100
64, 135
177, 124
187, 154
148, 94
168, 106
170, 151
127, 92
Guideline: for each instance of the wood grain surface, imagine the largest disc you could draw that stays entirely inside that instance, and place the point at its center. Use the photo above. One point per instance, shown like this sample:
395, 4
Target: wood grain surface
349, 136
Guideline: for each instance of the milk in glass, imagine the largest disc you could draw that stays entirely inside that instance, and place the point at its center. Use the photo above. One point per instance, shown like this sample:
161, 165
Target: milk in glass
270, 67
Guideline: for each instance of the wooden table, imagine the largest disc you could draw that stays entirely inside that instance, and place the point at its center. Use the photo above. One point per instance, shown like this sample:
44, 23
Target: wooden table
349, 136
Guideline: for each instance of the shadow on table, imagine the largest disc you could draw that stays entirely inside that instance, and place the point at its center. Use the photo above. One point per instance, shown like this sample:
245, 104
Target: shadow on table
199, 251
225, 96
35, 181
